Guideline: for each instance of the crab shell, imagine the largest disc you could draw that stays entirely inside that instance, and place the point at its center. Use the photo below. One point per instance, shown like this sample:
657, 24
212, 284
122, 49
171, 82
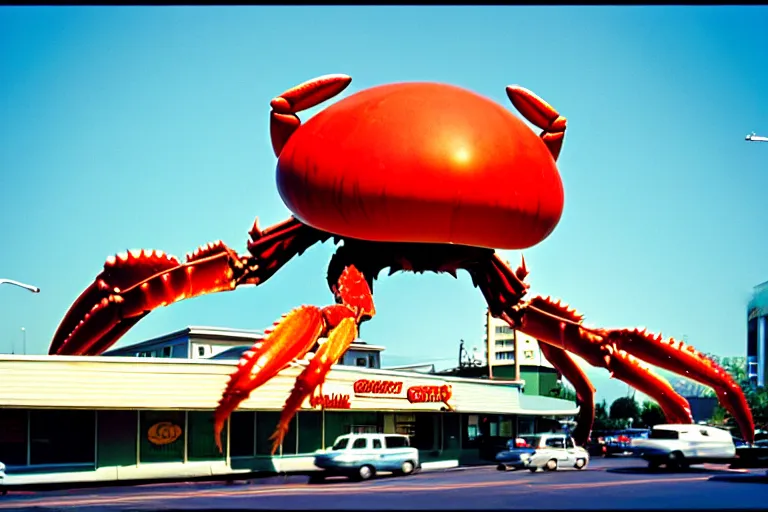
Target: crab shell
422, 162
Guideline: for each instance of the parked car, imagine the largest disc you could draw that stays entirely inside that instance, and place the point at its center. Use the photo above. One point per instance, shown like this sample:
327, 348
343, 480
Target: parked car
679, 446
739, 442
361, 456
542, 451
620, 442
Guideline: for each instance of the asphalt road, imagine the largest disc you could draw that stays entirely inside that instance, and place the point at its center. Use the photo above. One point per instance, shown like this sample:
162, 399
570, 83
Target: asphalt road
609, 484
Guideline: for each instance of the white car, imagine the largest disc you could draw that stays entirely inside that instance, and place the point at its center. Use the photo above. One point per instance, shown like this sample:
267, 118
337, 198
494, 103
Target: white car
361, 456
679, 446
543, 451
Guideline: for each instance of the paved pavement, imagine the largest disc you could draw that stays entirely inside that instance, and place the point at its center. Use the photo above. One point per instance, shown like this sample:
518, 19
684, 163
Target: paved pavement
609, 484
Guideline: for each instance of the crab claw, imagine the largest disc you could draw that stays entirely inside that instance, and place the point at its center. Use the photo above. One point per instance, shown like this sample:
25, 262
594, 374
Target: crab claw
314, 374
540, 113
133, 284
291, 339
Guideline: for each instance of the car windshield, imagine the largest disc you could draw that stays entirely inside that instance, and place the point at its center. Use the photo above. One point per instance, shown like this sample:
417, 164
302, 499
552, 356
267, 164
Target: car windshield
341, 443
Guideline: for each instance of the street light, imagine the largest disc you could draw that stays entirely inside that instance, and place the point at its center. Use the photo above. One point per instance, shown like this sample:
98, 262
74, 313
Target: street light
756, 138
33, 289
24, 341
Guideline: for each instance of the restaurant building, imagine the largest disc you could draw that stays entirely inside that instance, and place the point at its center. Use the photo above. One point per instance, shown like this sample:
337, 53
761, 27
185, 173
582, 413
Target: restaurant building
78, 419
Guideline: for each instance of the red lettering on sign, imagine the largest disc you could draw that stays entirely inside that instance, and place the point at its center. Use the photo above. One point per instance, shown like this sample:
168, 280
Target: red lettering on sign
377, 387
429, 394
335, 401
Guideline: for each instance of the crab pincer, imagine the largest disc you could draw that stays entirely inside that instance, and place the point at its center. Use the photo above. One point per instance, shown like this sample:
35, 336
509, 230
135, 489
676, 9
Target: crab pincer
292, 339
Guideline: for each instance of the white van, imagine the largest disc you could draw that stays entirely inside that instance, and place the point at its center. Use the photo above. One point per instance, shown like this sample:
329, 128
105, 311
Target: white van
678, 446
361, 456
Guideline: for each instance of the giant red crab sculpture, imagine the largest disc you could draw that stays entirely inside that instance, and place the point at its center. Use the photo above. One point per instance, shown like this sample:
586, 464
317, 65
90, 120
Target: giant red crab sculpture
411, 176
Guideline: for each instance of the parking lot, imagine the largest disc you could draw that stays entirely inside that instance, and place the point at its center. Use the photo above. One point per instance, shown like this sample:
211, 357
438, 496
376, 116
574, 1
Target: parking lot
606, 484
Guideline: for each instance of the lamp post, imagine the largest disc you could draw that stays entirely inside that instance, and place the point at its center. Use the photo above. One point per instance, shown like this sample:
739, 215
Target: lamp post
756, 138
23, 341
33, 289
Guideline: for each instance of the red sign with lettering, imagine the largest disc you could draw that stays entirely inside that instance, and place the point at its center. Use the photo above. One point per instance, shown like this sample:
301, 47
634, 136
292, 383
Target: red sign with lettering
429, 394
334, 401
377, 387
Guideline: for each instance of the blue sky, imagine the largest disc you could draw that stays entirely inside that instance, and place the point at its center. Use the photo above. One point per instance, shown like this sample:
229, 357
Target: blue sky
131, 127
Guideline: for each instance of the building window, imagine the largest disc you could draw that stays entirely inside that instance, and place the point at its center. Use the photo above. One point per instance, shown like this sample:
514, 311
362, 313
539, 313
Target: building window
201, 444
62, 437
525, 425
167, 351
310, 431
162, 436
505, 356
505, 428
13, 440
528, 354
504, 329
471, 431
405, 424
371, 361
451, 430
242, 433
752, 338
338, 423
363, 429
201, 351
266, 422
360, 361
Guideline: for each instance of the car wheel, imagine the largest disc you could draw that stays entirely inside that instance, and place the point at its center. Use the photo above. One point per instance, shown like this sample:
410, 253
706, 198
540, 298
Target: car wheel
580, 463
364, 472
676, 460
501, 467
551, 465
533, 469
653, 464
406, 468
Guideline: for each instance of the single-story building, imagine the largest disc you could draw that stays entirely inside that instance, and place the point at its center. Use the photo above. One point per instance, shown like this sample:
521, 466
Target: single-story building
78, 419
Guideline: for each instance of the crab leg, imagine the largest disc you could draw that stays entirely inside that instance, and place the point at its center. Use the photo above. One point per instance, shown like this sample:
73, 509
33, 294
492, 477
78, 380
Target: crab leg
292, 338
540, 113
684, 360
329, 353
134, 283
283, 118
611, 349
585, 392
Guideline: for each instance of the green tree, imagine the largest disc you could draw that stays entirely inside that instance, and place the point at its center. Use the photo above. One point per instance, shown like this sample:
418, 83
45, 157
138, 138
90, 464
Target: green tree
625, 408
651, 414
563, 392
757, 397
602, 420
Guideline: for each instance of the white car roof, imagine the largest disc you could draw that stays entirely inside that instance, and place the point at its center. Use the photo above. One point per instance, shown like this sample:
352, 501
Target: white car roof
371, 435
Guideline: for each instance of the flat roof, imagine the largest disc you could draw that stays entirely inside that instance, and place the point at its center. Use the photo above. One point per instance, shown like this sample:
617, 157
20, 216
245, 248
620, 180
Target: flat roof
88, 382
